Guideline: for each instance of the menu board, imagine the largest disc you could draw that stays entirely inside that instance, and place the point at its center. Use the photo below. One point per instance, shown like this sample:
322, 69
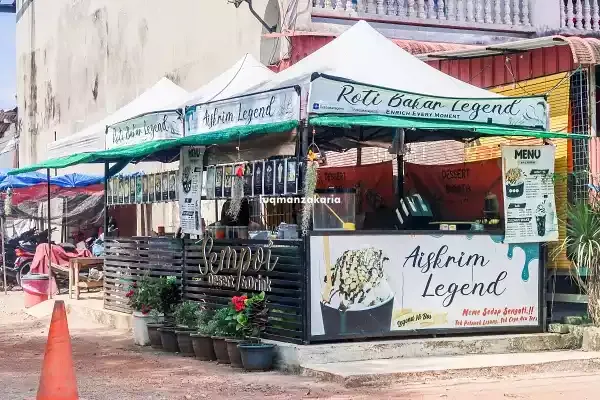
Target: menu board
172, 185
269, 178
257, 182
248, 172
228, 179
190, 189
132, 199
165, 186
219, 182
291, 176
145, 179
529, 203
151, 188
280, 178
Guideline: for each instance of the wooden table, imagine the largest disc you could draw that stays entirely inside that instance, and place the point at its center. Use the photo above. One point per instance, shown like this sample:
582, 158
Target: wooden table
78, 264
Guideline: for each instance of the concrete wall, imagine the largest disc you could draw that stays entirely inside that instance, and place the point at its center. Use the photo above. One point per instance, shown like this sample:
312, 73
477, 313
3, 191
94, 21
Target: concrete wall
79, 60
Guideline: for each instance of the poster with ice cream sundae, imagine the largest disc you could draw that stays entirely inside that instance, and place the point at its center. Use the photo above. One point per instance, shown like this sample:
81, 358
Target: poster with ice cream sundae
377, 284
529, 202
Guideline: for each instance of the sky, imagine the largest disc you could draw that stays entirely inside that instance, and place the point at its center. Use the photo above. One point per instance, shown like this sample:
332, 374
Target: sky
8, 63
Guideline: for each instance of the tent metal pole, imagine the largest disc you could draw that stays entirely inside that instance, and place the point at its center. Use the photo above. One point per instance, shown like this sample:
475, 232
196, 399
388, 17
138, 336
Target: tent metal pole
3, 254
106, 173
49, 238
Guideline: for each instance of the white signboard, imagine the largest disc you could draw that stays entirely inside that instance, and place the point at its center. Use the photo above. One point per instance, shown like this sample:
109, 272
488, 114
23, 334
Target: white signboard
329, 96
372, 285
146, 128
529, 203
190, 189
262, 108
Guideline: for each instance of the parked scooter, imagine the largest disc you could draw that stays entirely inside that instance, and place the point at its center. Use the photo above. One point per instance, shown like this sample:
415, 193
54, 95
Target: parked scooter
24, 253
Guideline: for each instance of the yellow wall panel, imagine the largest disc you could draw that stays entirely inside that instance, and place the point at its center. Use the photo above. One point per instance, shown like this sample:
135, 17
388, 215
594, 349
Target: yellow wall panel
557, 86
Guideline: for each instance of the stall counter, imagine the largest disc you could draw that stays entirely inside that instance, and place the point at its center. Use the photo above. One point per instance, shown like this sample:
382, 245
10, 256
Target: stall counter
399, 283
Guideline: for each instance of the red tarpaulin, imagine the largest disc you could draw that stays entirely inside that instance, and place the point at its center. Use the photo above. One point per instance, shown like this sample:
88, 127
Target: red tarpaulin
374, 183
40, 192
60, 256
456, 192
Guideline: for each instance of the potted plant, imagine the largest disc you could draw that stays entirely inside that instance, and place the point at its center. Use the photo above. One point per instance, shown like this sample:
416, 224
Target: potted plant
238, 303
143, 298
222, 326
202, 341
169, 297
252, 321
186, 318
155, 322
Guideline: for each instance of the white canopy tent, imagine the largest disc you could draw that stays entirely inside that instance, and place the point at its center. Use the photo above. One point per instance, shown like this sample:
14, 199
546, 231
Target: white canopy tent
161, 94
362, 54
244, 74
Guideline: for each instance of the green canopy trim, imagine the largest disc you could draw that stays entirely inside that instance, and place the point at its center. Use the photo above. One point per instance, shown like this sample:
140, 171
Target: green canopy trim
340, 121
145, 151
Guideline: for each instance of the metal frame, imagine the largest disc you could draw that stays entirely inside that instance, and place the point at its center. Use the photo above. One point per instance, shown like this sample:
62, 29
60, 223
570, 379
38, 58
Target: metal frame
539, 328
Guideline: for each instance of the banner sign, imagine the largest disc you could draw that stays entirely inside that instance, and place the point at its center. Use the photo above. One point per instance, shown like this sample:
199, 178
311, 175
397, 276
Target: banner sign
190, 189
330, 96
261, 108
146, 128
456, 192
529, 202
373, 285
374, 183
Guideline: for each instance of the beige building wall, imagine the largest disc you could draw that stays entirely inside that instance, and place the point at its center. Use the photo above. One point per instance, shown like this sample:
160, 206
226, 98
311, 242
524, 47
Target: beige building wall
79, 60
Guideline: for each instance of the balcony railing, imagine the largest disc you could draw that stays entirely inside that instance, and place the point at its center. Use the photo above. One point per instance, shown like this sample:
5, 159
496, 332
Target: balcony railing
581, 15
504, 15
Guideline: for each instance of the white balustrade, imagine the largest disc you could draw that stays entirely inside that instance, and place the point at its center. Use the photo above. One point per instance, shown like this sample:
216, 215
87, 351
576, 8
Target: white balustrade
580, 15
574, 14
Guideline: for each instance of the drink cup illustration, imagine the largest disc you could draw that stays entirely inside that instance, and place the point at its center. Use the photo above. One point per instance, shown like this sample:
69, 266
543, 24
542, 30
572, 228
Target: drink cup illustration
357, 297
540, 219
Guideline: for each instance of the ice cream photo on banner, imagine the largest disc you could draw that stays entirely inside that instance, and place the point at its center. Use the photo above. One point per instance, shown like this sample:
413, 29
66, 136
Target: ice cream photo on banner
356, 296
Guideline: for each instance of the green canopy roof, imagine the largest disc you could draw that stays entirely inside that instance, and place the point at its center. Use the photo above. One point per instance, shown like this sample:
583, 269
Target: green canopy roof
146, 151
349, 121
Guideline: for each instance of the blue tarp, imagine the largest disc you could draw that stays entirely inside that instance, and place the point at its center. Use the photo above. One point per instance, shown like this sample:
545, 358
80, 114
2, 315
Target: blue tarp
35, 178
22, 181
75, 180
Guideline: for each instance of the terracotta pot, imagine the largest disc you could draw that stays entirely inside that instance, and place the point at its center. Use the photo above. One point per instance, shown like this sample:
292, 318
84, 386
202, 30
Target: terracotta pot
220, 350
203, 347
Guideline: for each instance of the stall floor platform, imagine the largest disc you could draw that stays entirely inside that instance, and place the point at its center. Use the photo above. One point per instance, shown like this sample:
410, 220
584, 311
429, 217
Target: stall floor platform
375, 372
294, 357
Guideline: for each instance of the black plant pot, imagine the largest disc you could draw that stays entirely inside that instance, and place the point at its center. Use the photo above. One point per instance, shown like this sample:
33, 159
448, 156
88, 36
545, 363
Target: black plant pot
203, 347
257, 356
154, 334
169, 339
235, 358
220, 350
185, 341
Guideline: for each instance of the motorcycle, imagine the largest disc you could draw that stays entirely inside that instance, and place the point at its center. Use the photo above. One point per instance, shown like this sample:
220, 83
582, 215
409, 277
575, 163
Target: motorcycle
24, 253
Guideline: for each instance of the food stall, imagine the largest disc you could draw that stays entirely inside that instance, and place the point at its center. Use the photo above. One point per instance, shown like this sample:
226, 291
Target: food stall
408, 270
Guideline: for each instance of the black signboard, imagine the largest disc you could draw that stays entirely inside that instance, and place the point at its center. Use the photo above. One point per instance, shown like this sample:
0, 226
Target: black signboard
291, 176
280, 178
269, 178
248, 179
257, 182
219, 182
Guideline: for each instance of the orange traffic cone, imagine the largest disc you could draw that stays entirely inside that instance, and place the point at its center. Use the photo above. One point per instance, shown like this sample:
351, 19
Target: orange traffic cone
58, 375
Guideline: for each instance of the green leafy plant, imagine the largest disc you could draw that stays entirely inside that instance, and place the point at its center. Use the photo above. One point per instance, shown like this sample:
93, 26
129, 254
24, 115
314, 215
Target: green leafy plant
169, 294
251, 315
205, 316
144, 295
223, 322
582, 245
186, 314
